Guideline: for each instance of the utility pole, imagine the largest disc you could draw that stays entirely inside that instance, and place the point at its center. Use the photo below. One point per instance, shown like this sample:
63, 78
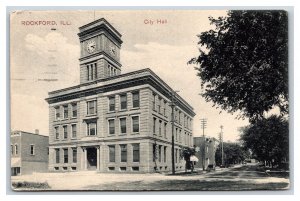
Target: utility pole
222, 145
203, 126
173, 105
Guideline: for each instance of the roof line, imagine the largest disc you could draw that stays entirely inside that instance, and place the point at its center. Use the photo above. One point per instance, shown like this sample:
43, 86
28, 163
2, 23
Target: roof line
25, 132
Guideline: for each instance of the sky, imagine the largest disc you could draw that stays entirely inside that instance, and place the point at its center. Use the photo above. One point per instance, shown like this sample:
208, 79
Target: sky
43, 60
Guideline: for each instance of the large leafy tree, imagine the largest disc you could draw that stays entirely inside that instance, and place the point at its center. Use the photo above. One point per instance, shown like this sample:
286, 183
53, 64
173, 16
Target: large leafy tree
234, 153
243, 62
268, 139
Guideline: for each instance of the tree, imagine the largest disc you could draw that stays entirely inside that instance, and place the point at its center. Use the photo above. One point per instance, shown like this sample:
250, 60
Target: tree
186, 153
233, 154
243, 62
268, 139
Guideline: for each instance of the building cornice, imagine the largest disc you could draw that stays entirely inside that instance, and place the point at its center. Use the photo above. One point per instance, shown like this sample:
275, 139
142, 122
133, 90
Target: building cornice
103, 140
135, 78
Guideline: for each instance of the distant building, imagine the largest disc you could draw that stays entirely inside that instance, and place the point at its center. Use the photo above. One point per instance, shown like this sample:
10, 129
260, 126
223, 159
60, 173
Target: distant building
29, 152
113, 122
205, 148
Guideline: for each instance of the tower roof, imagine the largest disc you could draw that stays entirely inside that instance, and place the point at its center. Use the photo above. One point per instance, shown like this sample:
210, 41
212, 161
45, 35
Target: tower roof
100, 24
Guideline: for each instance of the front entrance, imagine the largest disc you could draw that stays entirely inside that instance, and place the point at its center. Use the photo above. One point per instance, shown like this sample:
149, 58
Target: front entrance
91, 155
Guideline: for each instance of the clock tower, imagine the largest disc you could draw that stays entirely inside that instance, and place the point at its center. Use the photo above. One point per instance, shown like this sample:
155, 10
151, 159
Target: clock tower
100, 45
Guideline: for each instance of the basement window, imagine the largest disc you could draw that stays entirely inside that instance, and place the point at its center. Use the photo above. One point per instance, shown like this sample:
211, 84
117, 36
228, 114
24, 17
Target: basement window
135, 168
123, 168
111, 168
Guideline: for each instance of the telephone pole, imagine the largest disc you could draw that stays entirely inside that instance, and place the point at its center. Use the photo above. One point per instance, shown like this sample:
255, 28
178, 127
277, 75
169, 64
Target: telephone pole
203, 126
173, 105
222, 149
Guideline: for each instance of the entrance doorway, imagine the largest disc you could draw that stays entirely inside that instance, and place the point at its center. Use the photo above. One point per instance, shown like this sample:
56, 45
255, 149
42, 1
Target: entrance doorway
91, 155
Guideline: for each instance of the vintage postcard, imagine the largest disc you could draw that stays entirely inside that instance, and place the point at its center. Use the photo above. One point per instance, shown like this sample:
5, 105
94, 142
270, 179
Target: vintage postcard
149, 100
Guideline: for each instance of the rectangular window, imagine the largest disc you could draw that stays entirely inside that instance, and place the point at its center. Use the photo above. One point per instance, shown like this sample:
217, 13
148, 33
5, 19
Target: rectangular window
165, 154
123, 125
32, 151
159, 105
91, 128
57, 155
66, 155
165, 108
123, 152
91, 107
88, 72
135, 124
135, 99
154, 152
56, 132
12, 149
175, 156
108, 70
74, 131
176, 134
65, 128
74, 110
179, 117
153, 101
74, 153
179, 135
123, 100
112, 103
66, 111
112, 153
95, 71
159, 153
16, 149
136, 152
91, 71
57, 113
165, 130
111, 125
154, 125
187, 122
159, 128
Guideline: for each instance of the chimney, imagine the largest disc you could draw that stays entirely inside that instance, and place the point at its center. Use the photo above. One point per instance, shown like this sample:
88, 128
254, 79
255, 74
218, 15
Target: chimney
36, 131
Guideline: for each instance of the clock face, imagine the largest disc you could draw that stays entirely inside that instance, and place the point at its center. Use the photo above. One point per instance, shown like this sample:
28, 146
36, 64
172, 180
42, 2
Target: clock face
113, 50
91, 46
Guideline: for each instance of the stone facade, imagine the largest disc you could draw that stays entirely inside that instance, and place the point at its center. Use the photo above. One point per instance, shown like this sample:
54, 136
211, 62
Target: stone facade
114, 122
29, 153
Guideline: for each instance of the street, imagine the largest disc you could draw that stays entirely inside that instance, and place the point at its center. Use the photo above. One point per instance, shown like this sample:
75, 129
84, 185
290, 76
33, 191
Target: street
248, 177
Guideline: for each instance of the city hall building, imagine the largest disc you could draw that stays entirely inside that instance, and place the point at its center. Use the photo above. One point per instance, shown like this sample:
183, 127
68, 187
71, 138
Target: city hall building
113, 122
